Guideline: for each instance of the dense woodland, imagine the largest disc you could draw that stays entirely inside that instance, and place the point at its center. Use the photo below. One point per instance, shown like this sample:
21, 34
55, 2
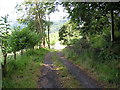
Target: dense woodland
92, 36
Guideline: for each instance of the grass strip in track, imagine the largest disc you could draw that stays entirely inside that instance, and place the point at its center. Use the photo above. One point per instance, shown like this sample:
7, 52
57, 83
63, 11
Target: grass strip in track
66, 79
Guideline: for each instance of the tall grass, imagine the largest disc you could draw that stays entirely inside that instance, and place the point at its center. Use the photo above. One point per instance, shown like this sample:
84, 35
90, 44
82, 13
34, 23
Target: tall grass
25, 71
107, 72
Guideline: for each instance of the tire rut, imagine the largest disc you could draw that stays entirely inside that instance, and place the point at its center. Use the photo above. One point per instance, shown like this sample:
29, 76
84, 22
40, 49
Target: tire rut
84, 79
49, 77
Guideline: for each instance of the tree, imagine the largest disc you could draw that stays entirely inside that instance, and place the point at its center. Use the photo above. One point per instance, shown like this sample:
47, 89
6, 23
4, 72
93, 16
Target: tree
69, 33
87, 12
48, 24
49, 33
4, 35
36, 12
22, 39
98, 23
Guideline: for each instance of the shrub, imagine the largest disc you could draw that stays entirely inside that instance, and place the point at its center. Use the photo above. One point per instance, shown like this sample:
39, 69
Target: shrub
22, 39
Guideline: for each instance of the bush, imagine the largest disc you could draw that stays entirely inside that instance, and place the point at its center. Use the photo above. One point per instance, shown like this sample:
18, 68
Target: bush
22, 39
69, 33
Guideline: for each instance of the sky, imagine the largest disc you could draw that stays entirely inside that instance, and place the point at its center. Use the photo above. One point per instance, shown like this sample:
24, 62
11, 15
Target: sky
58, 15
8, 7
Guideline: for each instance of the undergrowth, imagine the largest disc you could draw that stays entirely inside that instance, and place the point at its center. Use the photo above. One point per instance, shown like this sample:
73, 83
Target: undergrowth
25, 71
104, 70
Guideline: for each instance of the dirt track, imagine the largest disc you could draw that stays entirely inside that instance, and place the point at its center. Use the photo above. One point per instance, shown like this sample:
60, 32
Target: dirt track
83, 78
50, 78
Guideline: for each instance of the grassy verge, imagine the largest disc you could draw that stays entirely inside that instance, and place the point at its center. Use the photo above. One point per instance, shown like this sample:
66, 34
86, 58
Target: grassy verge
25, 71
67, 80
106, 72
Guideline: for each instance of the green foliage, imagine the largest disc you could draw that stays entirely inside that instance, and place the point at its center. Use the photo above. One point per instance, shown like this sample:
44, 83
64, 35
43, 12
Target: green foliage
98, 41
96, 53
25, 71
104, 49
68, 33
105, 71
4, 34
95, 17
117, 34
35, 18
22, 39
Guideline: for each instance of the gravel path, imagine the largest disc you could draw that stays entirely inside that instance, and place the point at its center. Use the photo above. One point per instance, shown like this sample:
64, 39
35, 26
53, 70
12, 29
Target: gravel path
84, 79
49, 77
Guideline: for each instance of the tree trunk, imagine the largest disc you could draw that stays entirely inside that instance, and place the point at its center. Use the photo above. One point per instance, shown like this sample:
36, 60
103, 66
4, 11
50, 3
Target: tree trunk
49, 32
5, 58
15, 55
112, 26
21, 52
5, 65
38, 21
44, 42
48, 36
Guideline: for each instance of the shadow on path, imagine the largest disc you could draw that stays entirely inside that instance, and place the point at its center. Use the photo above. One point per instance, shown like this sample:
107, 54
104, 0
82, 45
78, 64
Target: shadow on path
49, 77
